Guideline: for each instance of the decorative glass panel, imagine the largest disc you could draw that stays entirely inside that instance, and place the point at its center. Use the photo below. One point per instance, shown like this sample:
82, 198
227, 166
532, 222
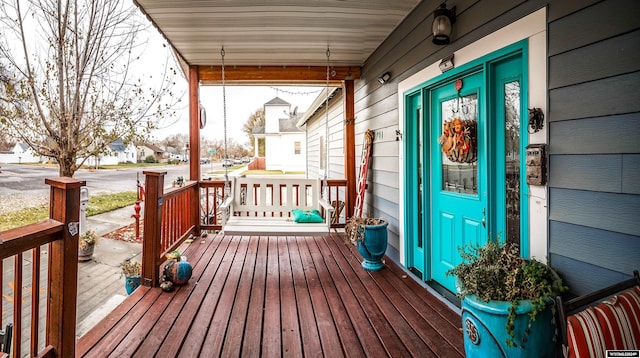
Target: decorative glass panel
323, 154
512, 149
459, 145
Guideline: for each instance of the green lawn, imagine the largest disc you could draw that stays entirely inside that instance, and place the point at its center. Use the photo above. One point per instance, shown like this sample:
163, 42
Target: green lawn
97, 204
230, 169
131, 165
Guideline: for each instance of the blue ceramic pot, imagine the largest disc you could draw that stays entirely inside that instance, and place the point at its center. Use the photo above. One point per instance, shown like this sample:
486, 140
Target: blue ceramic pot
485, 334
373, 246
131, 283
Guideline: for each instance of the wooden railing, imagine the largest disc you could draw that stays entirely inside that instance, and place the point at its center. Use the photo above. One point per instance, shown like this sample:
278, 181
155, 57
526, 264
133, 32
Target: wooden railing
211, 196
60, 233
169, 218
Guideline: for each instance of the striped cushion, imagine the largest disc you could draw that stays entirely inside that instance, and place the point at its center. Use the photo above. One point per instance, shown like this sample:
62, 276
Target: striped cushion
612, 324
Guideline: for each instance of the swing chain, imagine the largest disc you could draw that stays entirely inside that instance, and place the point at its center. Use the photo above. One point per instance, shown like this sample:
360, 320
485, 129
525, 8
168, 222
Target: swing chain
227, 185
325, 190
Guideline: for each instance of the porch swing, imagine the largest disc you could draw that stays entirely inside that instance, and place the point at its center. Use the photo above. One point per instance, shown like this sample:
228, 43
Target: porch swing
272, 206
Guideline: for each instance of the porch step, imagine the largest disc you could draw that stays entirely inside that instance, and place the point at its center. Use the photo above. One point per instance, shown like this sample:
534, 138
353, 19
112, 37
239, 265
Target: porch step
98, 314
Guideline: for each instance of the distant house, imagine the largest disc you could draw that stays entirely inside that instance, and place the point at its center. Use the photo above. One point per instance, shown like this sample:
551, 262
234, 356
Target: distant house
118, 152
172, 153
144, 150
20, 153
285, 143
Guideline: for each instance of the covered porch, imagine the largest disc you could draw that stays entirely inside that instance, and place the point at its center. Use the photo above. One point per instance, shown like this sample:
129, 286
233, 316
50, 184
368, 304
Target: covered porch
279, 296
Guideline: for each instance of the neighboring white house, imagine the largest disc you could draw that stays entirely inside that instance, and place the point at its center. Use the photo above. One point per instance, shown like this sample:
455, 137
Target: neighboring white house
20, 153
315, 122
117, 152
285, 143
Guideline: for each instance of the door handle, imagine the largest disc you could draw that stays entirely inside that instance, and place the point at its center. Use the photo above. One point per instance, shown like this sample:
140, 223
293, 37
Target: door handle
484, 220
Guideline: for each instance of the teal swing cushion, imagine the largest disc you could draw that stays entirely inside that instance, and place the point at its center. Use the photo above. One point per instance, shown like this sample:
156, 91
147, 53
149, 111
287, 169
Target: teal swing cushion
307, 216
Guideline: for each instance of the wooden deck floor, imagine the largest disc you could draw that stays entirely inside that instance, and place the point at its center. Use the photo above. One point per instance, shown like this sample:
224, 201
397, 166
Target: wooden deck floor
279, 296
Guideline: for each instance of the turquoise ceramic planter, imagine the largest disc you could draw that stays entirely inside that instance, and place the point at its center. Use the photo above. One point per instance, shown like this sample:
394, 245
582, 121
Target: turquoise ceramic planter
373, 247
485, 334
131, 283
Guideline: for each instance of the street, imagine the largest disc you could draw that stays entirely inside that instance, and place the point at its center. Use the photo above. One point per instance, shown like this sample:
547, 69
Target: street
23, 185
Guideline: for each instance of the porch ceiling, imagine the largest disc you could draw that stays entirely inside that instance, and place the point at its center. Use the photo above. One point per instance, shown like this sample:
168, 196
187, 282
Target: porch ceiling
276, 32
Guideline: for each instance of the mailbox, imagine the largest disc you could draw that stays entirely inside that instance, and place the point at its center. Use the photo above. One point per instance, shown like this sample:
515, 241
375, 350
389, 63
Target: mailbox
536, 164
84, 197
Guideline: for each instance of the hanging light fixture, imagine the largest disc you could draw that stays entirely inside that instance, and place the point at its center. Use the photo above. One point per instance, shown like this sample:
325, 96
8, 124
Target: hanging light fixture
443, 19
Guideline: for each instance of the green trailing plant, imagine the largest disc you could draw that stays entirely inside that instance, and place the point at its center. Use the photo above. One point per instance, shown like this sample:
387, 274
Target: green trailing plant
354, 227
495, 271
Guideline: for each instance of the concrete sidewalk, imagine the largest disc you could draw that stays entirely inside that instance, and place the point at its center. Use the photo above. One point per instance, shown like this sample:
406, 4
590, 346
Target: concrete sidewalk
108, 251
100, 283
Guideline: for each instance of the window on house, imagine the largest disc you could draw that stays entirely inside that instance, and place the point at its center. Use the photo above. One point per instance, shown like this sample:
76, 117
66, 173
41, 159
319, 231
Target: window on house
323, 154
296, 147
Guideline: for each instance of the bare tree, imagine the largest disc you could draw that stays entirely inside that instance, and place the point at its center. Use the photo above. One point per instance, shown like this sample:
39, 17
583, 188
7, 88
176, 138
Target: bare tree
176, 141
255, 120
73, 89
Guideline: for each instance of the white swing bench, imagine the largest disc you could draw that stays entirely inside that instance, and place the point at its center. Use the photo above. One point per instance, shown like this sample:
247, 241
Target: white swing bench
263, 206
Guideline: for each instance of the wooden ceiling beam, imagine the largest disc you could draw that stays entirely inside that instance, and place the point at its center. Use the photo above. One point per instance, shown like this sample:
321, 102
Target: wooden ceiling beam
248, 75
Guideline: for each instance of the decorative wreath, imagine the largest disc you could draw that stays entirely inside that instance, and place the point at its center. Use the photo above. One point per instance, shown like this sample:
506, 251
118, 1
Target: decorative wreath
459, 140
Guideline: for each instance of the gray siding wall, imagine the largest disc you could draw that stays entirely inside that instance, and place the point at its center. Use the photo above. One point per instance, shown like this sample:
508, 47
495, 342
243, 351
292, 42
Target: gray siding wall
594, 141
406, 51
593, 123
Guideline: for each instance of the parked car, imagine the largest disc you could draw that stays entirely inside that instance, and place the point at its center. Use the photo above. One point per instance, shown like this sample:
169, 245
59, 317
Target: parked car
246, 160
237, 161
227, 163
204, 161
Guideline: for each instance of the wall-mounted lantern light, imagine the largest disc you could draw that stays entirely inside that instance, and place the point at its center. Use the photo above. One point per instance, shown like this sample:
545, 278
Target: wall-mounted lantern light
384, 78
443, 19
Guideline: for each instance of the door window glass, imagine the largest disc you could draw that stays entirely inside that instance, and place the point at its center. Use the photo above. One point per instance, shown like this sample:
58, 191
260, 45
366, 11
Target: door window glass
512, 149
459, 145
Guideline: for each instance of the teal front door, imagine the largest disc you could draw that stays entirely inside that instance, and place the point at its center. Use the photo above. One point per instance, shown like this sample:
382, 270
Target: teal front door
459, 173
464, 148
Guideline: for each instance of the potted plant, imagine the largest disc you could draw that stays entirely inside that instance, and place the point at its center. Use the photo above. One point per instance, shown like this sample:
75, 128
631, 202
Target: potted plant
132, 271
86, 245
370, 237
507, 302
178, 182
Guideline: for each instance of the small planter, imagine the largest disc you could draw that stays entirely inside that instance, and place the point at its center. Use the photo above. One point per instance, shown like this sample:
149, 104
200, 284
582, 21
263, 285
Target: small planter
86, 244
483, 325
131, 283
132, 271
85, 252
373, 246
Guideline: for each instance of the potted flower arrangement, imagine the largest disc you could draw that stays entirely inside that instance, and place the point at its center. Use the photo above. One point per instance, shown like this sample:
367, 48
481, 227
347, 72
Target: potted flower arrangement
86, 245
507, 302
370, 237
132, 271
